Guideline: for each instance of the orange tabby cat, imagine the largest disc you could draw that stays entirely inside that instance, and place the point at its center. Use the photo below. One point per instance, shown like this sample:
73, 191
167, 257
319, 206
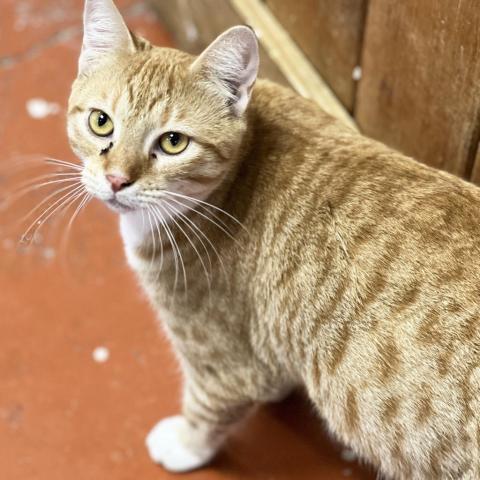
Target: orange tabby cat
281, 248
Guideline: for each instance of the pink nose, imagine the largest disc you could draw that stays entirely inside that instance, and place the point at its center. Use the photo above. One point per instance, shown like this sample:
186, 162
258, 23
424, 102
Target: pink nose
117, 182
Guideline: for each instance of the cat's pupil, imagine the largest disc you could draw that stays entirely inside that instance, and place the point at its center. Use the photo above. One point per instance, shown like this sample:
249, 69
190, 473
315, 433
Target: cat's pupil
102, 119
174, 138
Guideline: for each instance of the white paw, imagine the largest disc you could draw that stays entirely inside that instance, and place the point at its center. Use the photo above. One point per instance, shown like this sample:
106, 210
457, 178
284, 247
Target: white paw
171, 444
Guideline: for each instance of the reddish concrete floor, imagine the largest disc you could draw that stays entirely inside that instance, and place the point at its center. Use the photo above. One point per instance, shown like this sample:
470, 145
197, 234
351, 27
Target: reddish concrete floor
62, 414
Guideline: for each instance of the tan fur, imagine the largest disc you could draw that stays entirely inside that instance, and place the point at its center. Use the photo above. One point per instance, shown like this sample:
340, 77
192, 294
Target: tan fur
359, 277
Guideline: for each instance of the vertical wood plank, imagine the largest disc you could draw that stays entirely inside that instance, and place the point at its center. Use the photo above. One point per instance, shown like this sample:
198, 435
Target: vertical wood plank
420, 89
476, 167
330, 34
289, 58
195, 23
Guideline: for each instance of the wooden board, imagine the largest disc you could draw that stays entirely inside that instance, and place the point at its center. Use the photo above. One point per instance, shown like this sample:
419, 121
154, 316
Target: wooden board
476, 167
420, 89
195, 23
289, 58
330, 33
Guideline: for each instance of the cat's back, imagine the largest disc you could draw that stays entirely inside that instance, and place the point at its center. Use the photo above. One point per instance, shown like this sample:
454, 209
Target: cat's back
374, 264
320, 183
305, 157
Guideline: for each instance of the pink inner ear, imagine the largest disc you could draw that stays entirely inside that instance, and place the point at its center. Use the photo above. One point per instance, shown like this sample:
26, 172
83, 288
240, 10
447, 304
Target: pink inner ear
231, 63
104, 34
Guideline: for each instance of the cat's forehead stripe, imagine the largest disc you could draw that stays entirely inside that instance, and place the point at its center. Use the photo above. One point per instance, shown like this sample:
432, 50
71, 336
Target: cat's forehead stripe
166, 114
140, 83
168, 76
115, 101
132, 80
149, 82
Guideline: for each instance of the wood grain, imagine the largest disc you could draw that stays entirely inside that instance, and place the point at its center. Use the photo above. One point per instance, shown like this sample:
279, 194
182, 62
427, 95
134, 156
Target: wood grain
330, 34
290, 59
195, 23
476, 167
420, 90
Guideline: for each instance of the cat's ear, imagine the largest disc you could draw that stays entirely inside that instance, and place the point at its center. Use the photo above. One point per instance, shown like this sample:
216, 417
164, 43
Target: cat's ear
104, 33
231, 64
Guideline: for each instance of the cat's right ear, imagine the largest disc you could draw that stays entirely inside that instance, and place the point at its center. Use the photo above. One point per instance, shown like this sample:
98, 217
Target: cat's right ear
104, 34
230, 63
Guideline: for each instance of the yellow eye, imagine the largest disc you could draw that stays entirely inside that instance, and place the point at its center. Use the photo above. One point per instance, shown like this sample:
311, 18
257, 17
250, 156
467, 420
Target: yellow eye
100, 123
173, 143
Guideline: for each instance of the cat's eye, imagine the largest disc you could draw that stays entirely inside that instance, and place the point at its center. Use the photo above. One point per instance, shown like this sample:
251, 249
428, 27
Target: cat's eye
100, 123
173, 143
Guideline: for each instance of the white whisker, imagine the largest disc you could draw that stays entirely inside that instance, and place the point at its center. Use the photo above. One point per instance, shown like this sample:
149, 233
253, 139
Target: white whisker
159, 206
205, 208
172, 243
85, 197
152, 233
45, 200
25, 189
26, 161
208, 219
186, 197
48, 176
191, 224
65, 201
185, 219
165, 205
63, 163
157, 227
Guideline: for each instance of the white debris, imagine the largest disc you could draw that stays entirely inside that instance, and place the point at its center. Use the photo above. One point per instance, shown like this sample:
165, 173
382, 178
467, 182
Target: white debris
348, 455
191, 31
48, 253
357, 73
38, 108
101, 354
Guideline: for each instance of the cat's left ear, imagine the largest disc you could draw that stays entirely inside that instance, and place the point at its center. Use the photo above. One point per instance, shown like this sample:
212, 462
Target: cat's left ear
104, 34
231, 64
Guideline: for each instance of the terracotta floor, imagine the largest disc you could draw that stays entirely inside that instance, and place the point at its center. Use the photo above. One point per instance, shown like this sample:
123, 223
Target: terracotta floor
64, 415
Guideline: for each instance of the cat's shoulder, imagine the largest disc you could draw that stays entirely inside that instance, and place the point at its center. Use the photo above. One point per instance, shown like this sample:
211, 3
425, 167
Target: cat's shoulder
284, 101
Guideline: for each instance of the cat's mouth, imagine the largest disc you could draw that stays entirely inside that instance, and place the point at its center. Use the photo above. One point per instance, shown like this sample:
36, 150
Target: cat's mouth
117, 206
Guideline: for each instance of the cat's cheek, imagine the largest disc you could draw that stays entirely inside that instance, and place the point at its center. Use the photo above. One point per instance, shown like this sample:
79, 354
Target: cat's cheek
196, 188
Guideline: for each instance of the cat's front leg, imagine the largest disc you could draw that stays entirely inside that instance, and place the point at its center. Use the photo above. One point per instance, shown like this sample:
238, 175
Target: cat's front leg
189, 441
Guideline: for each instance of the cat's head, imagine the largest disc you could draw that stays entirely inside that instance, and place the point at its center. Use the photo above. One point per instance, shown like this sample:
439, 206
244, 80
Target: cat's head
146, 120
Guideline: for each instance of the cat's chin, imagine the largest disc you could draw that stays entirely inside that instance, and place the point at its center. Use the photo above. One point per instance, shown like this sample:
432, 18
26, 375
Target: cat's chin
118, 207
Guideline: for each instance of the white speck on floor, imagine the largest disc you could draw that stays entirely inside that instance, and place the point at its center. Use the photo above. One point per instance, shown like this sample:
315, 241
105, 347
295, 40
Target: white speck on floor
347, 472
48, 253
101, 354
348, 455
357, 73
39, 108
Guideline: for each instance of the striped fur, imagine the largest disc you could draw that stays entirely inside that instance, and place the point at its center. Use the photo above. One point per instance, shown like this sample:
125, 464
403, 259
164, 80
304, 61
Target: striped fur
359, 277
